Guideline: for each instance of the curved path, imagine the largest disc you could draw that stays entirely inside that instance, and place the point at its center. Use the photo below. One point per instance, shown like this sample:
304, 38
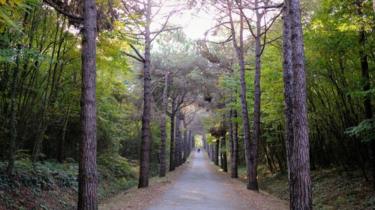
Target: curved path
202, 187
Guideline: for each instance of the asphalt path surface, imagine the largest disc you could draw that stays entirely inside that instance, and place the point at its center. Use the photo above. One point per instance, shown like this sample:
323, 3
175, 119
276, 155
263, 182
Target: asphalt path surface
199, 188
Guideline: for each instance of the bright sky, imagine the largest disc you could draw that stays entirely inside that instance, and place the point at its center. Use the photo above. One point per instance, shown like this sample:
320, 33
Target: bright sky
193, 22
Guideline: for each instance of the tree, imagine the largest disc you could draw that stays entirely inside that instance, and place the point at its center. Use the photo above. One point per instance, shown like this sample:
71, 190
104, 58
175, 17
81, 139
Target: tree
88, 179
238, 44
233, 140
295, 82
163, 132
149, 36
146, 116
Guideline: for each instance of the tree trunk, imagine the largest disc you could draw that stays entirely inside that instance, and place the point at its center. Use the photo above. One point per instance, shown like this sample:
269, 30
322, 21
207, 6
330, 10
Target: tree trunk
163, 128
178, 140
146, 116
186, 144
288, 94
217, 148
223, 149
245, 115
300, 161
253, 182
13, 116
231, 145
172, 136
234, 153
190, 137
88, 180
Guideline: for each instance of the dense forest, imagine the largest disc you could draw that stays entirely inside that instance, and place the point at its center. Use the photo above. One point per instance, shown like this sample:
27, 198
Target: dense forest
99, 97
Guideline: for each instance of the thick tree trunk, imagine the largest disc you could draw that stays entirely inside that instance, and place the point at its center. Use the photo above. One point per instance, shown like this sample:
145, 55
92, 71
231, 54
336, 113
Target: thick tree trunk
146, 116
163, 128
288, 94
88, 180
301, 197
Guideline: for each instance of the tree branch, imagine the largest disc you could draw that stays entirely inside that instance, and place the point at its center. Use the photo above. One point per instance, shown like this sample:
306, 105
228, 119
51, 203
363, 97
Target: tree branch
63, 9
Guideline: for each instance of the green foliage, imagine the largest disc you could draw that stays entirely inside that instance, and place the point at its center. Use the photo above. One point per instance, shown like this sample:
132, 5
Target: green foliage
364, 130
115, 174
115, 166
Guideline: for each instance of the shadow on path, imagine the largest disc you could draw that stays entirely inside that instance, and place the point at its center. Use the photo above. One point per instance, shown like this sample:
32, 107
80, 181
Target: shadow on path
199, 188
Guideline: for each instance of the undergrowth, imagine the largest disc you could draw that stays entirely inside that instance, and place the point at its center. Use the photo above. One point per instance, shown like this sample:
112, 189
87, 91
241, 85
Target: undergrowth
332, 188
53, 185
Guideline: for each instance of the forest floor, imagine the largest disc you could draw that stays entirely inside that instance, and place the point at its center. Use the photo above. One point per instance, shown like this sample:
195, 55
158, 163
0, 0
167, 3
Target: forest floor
197, 185
332, 188
53, 185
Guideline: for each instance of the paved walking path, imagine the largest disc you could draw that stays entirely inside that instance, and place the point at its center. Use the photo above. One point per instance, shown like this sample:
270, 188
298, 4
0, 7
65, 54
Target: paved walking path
199, 188
197, 185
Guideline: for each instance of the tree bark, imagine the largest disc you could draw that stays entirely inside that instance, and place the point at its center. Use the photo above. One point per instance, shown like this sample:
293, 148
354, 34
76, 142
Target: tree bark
223, 150
231, 145
234, 146
186, 144
172, 137
146, 116
88, 180
163, 129
239, 48
288, 93
13, 115
178, 140
217, 148
300, 158
253, 182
